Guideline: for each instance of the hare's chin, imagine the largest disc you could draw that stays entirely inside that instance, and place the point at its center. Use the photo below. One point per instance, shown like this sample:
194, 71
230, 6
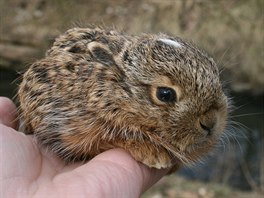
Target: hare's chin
201, 145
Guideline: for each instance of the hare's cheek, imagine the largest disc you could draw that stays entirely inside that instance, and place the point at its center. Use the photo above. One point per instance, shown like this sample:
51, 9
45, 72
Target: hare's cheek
222, 120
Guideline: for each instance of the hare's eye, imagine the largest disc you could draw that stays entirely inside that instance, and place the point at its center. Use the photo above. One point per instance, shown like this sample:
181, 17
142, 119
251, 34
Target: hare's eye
166, 94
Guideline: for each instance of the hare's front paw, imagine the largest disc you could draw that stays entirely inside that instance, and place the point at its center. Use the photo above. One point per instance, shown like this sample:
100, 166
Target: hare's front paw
150, 155
160, 160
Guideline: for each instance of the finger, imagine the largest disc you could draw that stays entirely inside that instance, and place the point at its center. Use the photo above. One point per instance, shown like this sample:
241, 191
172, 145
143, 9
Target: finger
140, 176
8, 113
114, 173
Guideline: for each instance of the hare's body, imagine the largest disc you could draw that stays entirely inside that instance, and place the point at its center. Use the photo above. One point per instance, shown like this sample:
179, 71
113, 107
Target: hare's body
157, 97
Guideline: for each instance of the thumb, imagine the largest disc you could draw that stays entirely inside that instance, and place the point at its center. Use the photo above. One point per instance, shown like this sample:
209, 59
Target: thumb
8, 113
116, 174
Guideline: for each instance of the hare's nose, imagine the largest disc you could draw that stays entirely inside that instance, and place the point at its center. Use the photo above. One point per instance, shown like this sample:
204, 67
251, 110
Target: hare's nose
207, 127
207, 122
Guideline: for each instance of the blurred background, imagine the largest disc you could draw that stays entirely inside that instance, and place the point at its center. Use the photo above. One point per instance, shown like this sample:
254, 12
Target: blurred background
229, 30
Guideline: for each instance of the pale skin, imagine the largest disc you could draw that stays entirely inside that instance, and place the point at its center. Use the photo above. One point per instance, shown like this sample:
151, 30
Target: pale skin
30, 171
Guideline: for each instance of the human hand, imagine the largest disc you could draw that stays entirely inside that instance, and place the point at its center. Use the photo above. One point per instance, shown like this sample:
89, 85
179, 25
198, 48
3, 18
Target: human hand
30, 171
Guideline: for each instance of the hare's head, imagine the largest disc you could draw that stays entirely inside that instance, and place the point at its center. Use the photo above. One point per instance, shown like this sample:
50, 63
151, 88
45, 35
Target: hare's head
171, 94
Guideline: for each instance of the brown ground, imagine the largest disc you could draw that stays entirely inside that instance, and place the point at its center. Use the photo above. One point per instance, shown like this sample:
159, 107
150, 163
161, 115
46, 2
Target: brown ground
177, 187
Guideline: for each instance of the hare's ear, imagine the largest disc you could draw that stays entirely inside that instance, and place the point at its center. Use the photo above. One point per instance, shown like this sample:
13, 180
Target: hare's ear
101, 53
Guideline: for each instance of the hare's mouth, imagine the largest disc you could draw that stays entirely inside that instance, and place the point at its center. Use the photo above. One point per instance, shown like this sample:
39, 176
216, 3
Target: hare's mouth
190, 153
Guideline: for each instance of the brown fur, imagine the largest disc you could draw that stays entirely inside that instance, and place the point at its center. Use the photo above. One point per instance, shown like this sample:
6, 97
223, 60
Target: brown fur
96, 90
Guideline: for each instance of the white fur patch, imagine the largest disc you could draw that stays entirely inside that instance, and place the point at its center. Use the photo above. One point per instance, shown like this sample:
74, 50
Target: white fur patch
170, 42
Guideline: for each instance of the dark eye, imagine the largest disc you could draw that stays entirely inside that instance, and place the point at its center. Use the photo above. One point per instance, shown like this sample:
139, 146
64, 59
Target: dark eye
166, 94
